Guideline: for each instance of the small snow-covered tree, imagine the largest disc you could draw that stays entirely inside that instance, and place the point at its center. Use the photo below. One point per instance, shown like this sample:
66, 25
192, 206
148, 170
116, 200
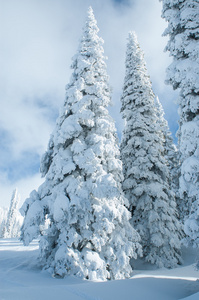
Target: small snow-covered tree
182, 74
171, 155
145, 169
14, 219
3, 218
88, 230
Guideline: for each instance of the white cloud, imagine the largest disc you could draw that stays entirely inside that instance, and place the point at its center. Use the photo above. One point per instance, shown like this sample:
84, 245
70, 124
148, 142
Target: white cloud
37, 42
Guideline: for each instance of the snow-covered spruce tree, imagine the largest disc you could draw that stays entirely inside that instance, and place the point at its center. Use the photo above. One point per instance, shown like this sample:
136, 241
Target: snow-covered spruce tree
183, 73
145, 169
14, 220
171, 154
3, 217
89, 233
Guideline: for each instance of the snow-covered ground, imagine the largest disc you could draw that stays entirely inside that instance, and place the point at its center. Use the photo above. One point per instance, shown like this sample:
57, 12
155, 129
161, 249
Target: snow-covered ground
22, 279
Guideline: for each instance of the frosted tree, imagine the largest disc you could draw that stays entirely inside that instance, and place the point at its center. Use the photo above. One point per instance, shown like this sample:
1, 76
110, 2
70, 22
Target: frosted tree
79, 211
171, 155
14, 220
145, 169
182, 74
3, 217
169, 147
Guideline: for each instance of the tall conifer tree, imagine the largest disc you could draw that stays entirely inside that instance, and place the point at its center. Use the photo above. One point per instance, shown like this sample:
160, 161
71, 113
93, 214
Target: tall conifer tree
171, 155
145, 170
81, 200
182, 74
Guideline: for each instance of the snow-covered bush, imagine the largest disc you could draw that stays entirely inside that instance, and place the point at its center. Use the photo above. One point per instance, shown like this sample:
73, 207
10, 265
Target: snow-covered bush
81, 202
146, 173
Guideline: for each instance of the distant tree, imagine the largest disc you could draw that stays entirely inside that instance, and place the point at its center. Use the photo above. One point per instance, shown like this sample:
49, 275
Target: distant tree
171, 155
13, 223
3, 218
182, 74
88, 232
145, 169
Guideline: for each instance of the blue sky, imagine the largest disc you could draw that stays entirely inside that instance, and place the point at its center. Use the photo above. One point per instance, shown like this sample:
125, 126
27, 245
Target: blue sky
37, 42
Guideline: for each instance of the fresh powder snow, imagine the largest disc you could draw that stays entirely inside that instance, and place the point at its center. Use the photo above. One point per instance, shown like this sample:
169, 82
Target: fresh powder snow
22, 278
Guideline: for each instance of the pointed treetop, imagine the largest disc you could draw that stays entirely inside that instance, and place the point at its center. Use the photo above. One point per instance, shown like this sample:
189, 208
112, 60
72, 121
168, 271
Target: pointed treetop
133, 47
15, 197
133, 41
136, 70
132, 37
15, 191
90, 12
159, 107
91, 21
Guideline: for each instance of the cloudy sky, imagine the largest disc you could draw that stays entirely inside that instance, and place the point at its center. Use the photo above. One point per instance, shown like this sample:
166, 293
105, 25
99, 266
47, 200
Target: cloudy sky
37, 41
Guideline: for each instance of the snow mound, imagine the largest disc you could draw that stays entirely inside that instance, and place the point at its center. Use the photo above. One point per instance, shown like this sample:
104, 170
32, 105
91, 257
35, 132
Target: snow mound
21, 278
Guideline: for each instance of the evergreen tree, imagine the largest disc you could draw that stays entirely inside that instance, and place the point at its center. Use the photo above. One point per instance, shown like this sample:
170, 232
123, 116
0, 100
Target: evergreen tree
3, 217
171, 155
145, 169
183, 22
13, 224
88, 231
